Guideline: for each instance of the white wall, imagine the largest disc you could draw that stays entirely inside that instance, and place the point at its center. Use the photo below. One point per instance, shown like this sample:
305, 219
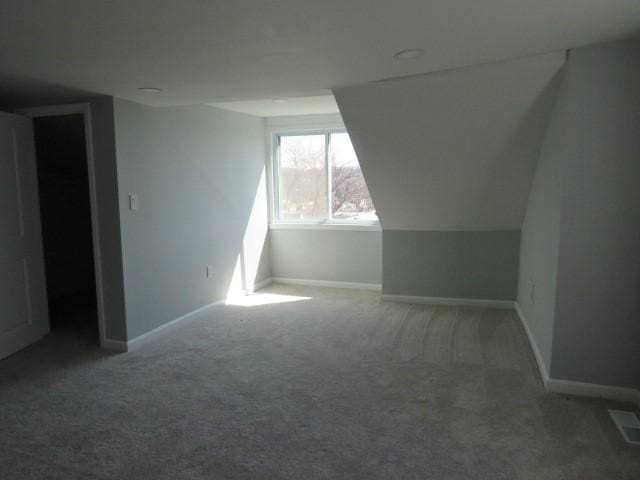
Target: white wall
199, 173
449, 158
540, 237
539, 245
453, 150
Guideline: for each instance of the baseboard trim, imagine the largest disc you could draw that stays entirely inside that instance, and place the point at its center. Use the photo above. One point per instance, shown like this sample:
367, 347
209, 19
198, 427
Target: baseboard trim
542, 368
570, 387
114, 345
260, 285
453, 302
327, 283
610, 392
122, 346
141, 339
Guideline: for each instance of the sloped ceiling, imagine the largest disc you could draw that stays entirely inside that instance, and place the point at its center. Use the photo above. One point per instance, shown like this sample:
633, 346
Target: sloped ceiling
204, 51
453, 150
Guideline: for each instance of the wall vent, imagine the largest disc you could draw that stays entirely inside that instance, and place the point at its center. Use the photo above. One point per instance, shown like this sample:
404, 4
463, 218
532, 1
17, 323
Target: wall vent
628, 424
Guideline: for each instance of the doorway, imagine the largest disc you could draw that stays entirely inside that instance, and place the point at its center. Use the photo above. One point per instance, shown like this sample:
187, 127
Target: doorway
66, 218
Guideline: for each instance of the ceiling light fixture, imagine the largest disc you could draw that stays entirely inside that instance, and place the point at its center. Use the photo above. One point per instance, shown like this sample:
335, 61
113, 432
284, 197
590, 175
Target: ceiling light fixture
408, 54
150, 89
279, 100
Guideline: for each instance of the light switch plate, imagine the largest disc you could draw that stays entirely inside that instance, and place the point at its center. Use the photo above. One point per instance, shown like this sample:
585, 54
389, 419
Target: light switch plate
209, 271
133, 201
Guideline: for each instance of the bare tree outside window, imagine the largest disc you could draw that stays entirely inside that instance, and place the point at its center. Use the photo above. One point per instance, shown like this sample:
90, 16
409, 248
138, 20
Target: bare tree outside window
303, 177
350, 198
305, 167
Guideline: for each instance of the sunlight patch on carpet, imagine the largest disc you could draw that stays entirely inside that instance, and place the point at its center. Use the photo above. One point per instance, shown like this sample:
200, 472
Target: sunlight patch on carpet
258, 299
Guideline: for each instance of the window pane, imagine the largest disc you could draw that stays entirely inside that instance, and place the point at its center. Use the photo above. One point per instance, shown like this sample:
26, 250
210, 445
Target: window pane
303, 178
350, 195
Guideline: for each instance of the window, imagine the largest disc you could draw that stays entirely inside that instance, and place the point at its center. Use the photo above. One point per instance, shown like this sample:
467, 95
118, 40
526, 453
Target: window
318, 180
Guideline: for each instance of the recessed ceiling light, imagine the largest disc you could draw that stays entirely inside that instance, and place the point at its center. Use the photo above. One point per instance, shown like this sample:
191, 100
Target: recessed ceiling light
279, 100
150, 89
409, 54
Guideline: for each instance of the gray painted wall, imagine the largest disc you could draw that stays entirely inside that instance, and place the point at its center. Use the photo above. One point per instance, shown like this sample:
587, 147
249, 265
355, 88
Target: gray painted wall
334, 255
475, 265
580, 243
597, 327
199, 174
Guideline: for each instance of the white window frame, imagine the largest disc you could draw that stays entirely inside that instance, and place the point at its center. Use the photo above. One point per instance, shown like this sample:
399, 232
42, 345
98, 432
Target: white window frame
274, 134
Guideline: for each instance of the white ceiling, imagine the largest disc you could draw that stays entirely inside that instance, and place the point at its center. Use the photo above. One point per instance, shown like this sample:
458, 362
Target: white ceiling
283, 106
202, 51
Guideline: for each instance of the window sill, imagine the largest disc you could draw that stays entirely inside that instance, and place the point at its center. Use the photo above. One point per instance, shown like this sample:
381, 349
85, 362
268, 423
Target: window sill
364, 227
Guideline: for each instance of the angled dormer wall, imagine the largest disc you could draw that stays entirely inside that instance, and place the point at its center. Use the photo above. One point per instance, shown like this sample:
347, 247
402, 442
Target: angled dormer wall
449, 158
580, 248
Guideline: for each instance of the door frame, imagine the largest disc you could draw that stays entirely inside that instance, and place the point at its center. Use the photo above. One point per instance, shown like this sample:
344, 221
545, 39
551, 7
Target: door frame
85, 110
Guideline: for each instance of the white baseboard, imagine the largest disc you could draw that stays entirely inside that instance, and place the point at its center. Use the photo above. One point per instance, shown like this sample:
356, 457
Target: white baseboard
114, 345
328, 283
610, 392
570, 387
454, 302
257, 286
542, 368
122, 346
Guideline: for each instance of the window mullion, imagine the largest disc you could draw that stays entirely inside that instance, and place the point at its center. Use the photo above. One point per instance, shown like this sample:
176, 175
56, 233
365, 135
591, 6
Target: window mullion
278, 182
327, 146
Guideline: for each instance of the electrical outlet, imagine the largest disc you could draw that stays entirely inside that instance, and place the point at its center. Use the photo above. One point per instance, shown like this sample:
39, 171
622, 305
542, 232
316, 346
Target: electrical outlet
532, 291
209, 271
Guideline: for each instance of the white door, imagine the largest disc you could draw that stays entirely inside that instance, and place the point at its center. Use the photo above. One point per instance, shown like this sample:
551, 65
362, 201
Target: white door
23, 298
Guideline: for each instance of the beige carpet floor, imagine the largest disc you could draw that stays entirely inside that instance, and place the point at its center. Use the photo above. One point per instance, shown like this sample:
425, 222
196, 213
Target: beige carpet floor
304, 383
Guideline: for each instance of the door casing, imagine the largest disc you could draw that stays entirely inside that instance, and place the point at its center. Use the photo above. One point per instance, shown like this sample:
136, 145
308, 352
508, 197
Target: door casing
85, 110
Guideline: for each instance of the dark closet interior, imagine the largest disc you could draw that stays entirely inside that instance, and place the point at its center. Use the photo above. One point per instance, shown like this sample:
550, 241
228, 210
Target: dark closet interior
65, 212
